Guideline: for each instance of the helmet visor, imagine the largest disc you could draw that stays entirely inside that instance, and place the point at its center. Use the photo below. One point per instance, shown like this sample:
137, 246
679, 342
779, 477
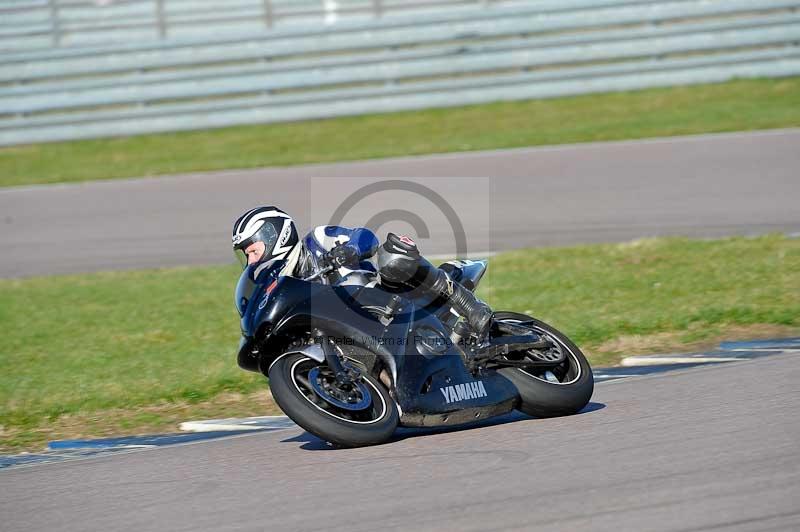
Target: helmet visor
265, 234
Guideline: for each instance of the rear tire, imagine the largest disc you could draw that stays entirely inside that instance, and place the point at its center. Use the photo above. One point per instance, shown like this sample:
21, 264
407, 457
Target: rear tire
541, 397
322, 419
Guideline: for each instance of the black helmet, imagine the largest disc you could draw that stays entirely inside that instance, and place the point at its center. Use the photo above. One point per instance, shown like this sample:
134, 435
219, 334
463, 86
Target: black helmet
269, 225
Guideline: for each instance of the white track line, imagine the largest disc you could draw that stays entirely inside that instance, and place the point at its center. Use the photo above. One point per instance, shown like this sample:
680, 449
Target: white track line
249, 423
654, 361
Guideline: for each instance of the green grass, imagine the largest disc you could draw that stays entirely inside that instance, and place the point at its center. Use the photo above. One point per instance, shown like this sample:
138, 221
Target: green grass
734, 106
116, 350
117, 339
651, 286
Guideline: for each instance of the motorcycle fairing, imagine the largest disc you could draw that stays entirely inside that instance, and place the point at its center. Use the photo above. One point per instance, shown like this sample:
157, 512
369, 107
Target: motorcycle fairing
296, 304
424, 384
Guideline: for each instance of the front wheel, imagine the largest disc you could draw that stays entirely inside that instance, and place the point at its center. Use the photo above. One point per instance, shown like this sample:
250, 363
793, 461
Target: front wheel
349, 416
558, 391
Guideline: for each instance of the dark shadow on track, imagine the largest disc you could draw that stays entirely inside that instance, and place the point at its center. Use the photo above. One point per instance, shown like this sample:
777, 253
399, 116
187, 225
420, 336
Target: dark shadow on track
312, 443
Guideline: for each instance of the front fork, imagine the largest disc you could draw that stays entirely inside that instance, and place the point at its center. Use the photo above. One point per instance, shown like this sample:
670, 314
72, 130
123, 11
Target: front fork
345, 373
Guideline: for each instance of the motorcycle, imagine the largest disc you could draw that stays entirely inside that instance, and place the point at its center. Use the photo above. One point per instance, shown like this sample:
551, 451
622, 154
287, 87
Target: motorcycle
349, 360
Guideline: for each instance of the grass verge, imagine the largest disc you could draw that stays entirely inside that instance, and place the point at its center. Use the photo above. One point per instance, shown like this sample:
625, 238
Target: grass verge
734, 106
133, 352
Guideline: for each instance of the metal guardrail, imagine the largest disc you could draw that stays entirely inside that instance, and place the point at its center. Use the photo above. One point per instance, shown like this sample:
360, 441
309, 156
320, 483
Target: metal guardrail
540, 17
37, 24
458, 56
447, 16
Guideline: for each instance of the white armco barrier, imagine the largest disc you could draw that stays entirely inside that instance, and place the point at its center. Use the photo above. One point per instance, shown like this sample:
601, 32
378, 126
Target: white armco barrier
456, 53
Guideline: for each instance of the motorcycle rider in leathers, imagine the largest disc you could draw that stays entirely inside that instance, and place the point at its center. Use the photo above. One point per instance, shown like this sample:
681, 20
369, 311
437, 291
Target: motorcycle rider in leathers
268, 234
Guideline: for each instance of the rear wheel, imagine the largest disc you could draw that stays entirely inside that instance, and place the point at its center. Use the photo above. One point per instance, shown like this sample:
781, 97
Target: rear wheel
352, 415
549, 392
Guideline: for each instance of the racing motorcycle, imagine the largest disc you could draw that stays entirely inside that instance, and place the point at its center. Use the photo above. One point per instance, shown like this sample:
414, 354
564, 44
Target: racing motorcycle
349, 359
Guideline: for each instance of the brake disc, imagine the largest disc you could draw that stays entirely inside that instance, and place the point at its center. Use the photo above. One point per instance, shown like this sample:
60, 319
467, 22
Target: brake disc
357, 397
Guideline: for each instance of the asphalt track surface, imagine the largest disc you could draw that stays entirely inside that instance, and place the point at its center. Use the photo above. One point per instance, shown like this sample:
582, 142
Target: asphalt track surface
702, 186
712, 448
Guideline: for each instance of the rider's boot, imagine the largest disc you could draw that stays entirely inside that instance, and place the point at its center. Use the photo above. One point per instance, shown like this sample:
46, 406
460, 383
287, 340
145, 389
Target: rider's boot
400, 263
477, 313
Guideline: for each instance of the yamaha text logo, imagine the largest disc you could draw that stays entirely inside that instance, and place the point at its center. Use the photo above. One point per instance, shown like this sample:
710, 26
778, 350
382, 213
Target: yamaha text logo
462, 392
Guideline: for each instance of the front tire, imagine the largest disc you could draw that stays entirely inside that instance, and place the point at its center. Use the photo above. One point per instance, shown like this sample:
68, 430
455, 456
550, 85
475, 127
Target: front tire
567, 390
330, 419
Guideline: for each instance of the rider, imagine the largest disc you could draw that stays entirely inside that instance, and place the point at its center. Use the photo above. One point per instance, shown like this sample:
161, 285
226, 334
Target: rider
267, 235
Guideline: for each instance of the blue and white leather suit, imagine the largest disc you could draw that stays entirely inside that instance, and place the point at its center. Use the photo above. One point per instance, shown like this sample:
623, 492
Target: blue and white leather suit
325, 237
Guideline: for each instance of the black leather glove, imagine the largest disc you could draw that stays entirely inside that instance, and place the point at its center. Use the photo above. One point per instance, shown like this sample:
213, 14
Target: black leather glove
342, 255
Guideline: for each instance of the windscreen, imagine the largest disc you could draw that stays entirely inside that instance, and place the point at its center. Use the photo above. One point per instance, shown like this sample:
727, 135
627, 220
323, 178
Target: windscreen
244, 289
253, 276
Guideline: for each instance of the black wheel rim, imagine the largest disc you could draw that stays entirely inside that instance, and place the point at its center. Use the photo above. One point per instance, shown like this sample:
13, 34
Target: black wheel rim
361, 404
353, 396
565, 373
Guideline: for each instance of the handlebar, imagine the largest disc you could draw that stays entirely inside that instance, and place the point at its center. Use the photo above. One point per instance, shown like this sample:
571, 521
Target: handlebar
324, 271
